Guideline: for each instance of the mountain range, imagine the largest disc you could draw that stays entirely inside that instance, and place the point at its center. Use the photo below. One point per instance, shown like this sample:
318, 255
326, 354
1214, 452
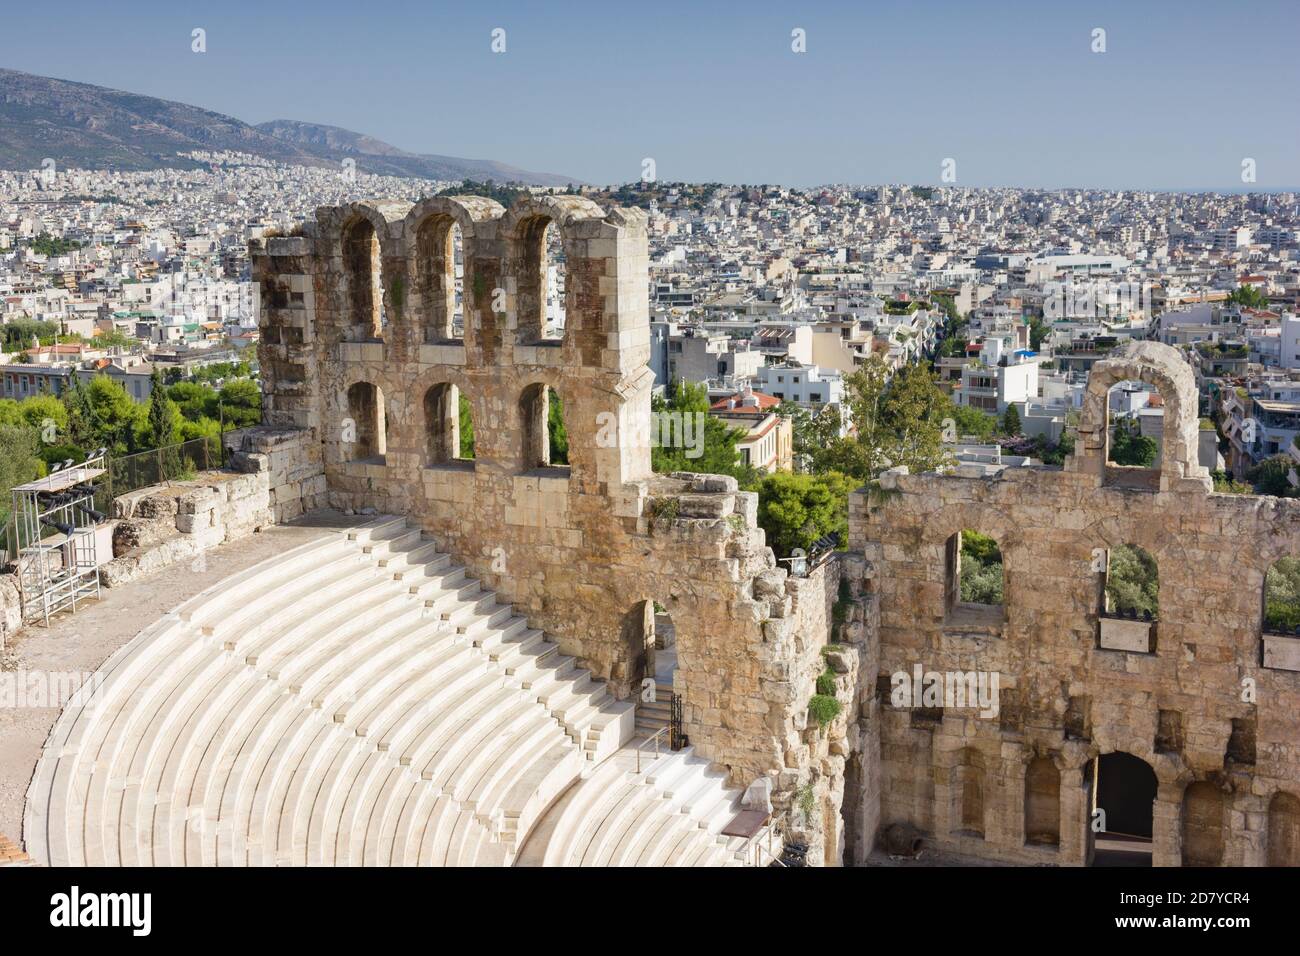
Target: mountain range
93, 127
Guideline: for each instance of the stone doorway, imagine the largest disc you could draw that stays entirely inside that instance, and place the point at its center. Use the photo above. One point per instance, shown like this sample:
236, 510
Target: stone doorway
1122, 791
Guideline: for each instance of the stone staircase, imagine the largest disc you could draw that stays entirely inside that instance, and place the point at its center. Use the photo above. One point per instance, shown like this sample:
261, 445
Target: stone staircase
653, 716
357, 701
672, 813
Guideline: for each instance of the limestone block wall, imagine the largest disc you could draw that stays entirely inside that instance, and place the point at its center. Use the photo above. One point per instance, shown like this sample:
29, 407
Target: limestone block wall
291, 462
163, 524
362, 361
1220, 731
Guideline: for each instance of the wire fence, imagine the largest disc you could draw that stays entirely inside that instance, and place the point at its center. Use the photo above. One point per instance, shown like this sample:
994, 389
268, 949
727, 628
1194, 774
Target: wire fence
179, 462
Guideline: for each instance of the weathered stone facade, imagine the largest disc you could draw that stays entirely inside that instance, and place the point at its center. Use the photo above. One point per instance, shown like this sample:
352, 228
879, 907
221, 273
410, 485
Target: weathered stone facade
1220, 730
363, 377
358, 355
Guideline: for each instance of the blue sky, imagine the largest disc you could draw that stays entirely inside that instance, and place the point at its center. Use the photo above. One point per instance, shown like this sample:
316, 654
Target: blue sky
885, 92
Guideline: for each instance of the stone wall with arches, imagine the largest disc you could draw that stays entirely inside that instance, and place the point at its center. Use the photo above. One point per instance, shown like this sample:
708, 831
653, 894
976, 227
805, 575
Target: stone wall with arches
576, 546
1201, 708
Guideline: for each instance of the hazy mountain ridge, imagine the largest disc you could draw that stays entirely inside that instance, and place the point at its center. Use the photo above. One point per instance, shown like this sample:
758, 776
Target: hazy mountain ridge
79, 124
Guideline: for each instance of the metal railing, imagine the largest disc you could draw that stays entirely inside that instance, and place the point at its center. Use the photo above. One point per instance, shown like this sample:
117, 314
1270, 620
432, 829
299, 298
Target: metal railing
653, 738
131, 472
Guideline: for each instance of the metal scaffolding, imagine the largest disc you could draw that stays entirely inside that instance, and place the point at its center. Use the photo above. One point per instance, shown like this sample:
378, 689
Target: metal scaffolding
54, 520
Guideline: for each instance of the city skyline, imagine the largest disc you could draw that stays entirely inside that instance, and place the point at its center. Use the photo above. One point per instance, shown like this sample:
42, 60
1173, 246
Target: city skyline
1014, 98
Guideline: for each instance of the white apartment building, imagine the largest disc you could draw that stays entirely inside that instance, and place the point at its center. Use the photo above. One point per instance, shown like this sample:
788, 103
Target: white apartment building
804, 384
991, 386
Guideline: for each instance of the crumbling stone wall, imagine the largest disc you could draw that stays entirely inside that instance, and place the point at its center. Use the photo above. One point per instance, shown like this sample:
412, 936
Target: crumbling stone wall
579, 547
1202, 710
160, 525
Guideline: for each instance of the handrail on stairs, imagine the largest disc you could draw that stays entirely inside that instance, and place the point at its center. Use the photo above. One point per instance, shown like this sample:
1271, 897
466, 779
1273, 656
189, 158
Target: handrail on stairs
653, 738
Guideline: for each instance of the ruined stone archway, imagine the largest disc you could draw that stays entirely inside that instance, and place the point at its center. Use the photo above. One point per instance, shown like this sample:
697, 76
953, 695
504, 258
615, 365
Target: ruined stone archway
1164, 368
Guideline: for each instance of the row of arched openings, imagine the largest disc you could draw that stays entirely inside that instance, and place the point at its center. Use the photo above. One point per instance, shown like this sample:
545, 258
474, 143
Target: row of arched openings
1122, 790
449, 425
439, 277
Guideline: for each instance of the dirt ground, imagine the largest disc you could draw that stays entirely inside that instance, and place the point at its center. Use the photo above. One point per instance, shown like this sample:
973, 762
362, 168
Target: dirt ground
82, 641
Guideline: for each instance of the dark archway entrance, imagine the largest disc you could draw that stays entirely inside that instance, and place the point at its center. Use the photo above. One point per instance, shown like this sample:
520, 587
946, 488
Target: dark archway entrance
1123, 789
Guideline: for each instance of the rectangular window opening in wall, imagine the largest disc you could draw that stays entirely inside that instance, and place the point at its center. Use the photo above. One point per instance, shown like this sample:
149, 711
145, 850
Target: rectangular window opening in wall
974, 596
1280, 616
1129, 602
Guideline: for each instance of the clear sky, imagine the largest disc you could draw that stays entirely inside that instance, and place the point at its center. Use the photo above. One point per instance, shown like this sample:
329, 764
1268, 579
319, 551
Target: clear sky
713, 92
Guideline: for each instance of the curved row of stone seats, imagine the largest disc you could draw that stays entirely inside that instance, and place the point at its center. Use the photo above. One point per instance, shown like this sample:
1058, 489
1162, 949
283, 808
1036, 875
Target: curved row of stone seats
671, 814
355, 701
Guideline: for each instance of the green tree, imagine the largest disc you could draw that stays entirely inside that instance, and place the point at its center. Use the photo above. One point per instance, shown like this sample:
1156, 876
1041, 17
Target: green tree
47, 415
712, 449
194, 399
973, 422
1011, 421
981, 569
814, 431
557, 434
897, 421
1269, 477
1282, 596
115, 414
19, 461
466, 428
1129, 447
163, 427
82, 421
913, 413
1248, 297
240, 403
1132, 581
796, 510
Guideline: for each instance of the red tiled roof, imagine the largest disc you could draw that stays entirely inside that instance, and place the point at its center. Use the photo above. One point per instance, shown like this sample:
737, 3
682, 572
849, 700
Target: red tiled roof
764, 401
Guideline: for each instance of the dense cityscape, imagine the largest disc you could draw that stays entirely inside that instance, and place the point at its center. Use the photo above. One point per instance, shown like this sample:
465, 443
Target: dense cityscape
766, 301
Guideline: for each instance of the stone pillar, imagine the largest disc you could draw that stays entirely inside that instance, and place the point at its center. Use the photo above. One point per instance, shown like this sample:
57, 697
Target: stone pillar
1167, 825
1076, 818
1247, 836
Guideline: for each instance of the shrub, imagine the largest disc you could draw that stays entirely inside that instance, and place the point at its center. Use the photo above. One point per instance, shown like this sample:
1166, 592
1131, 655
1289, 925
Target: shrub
826, 683
824, 708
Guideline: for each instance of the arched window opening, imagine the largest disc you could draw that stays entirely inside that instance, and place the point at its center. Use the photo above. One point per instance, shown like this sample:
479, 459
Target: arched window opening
974, 576
1130, 600
545, 437
440, 271
444, 411
365, 285
1134, 435
1284, 830
540, 296
365, 429
1042, 803
1202, 825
